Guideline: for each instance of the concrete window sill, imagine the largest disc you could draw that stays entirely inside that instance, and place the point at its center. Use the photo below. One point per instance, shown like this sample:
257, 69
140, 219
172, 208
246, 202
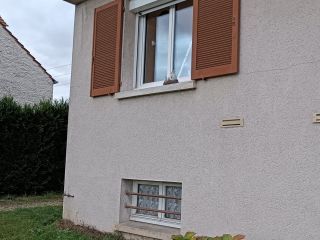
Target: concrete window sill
182, 86
147, 230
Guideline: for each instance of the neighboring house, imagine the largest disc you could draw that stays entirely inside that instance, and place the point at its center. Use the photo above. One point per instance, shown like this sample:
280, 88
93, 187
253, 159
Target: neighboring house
234, 147
21, 75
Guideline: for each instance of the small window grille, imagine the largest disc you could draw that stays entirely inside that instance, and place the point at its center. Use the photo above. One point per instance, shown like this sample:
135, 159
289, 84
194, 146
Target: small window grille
316, 118
234, 122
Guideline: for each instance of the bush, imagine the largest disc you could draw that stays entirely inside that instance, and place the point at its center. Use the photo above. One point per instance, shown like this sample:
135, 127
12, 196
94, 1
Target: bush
32, 146
192, 236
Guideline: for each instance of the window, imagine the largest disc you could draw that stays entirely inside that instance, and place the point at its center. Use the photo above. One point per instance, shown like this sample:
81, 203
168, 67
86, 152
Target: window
156, 203
177, 40
165, 44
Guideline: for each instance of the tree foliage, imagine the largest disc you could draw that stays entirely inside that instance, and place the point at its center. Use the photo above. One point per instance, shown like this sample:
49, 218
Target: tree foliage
32, 146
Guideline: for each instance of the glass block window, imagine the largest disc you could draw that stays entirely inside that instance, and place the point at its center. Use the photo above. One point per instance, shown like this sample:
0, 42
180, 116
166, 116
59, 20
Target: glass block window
148, 202
173, 205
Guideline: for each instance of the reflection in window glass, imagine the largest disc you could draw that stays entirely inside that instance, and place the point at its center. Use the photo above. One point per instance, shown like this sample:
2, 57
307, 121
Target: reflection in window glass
183, 40
156, 51
173, 205
148, 202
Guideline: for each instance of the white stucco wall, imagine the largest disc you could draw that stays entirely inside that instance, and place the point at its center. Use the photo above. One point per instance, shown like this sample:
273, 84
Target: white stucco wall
261, 180
20, 76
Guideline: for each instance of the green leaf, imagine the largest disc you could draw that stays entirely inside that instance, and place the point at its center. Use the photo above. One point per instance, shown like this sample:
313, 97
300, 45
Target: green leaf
226, 237
203, 238
189, 235
217, 238
177, 237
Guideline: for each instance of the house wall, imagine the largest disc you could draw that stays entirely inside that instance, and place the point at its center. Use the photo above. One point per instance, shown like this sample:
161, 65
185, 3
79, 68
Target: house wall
261, 180
20, 76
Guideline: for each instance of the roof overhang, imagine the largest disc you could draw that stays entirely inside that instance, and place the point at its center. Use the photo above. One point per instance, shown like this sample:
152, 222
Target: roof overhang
75, 2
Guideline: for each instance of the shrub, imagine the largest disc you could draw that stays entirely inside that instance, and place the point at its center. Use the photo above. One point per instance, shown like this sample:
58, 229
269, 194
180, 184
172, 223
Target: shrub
192, 236
32, 146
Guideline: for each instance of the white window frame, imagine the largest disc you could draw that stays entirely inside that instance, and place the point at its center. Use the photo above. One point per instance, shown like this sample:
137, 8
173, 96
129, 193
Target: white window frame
160, 220
139, 62
142, 5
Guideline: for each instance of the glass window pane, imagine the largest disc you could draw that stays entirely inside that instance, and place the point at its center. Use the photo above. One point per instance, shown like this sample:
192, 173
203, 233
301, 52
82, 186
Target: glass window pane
148, 202
172, 204
156, 51
183, 40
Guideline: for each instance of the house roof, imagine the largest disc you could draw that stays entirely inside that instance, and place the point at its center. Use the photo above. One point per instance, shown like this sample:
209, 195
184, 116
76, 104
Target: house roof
5, 25
75, 1
2, 22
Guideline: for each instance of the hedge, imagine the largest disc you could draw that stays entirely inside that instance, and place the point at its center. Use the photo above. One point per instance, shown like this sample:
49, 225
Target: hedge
32, 146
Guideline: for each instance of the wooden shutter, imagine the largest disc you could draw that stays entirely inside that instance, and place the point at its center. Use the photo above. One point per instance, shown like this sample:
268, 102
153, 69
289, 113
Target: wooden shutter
107, 44
215, 38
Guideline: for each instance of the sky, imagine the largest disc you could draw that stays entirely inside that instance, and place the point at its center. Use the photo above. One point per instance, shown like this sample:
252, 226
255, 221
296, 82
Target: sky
45, 28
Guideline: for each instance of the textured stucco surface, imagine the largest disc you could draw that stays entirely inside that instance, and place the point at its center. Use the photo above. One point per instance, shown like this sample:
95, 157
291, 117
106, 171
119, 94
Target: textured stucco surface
261, 180
20, 76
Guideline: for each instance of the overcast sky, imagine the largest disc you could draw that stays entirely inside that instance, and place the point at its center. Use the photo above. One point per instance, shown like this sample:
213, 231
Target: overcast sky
45, 28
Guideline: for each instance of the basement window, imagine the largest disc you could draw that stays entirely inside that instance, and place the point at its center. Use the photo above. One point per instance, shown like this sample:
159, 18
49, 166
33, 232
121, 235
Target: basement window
156, 203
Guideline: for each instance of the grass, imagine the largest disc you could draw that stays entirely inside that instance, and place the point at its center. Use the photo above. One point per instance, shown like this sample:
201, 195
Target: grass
43, 223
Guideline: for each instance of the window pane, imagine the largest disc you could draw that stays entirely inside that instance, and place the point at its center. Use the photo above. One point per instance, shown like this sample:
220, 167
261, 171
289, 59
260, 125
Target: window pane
183, 40
148, 202
156, 52
172, 204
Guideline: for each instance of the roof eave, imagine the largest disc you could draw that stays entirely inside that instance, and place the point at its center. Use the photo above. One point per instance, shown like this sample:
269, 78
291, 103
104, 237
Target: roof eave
75, 2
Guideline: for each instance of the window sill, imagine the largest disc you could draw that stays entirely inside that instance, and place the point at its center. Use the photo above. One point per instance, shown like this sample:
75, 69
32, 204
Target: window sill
182, 86
147, 230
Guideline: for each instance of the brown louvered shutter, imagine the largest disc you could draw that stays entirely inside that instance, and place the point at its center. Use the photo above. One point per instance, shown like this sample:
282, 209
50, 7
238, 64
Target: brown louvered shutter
107, 44
215, 38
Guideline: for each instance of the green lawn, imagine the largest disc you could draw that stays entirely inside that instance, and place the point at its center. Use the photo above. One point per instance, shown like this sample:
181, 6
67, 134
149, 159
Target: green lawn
41, 223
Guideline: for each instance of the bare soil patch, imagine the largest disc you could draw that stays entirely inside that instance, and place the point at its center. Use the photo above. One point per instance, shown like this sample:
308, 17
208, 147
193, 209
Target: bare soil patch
68, 225
11, 203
